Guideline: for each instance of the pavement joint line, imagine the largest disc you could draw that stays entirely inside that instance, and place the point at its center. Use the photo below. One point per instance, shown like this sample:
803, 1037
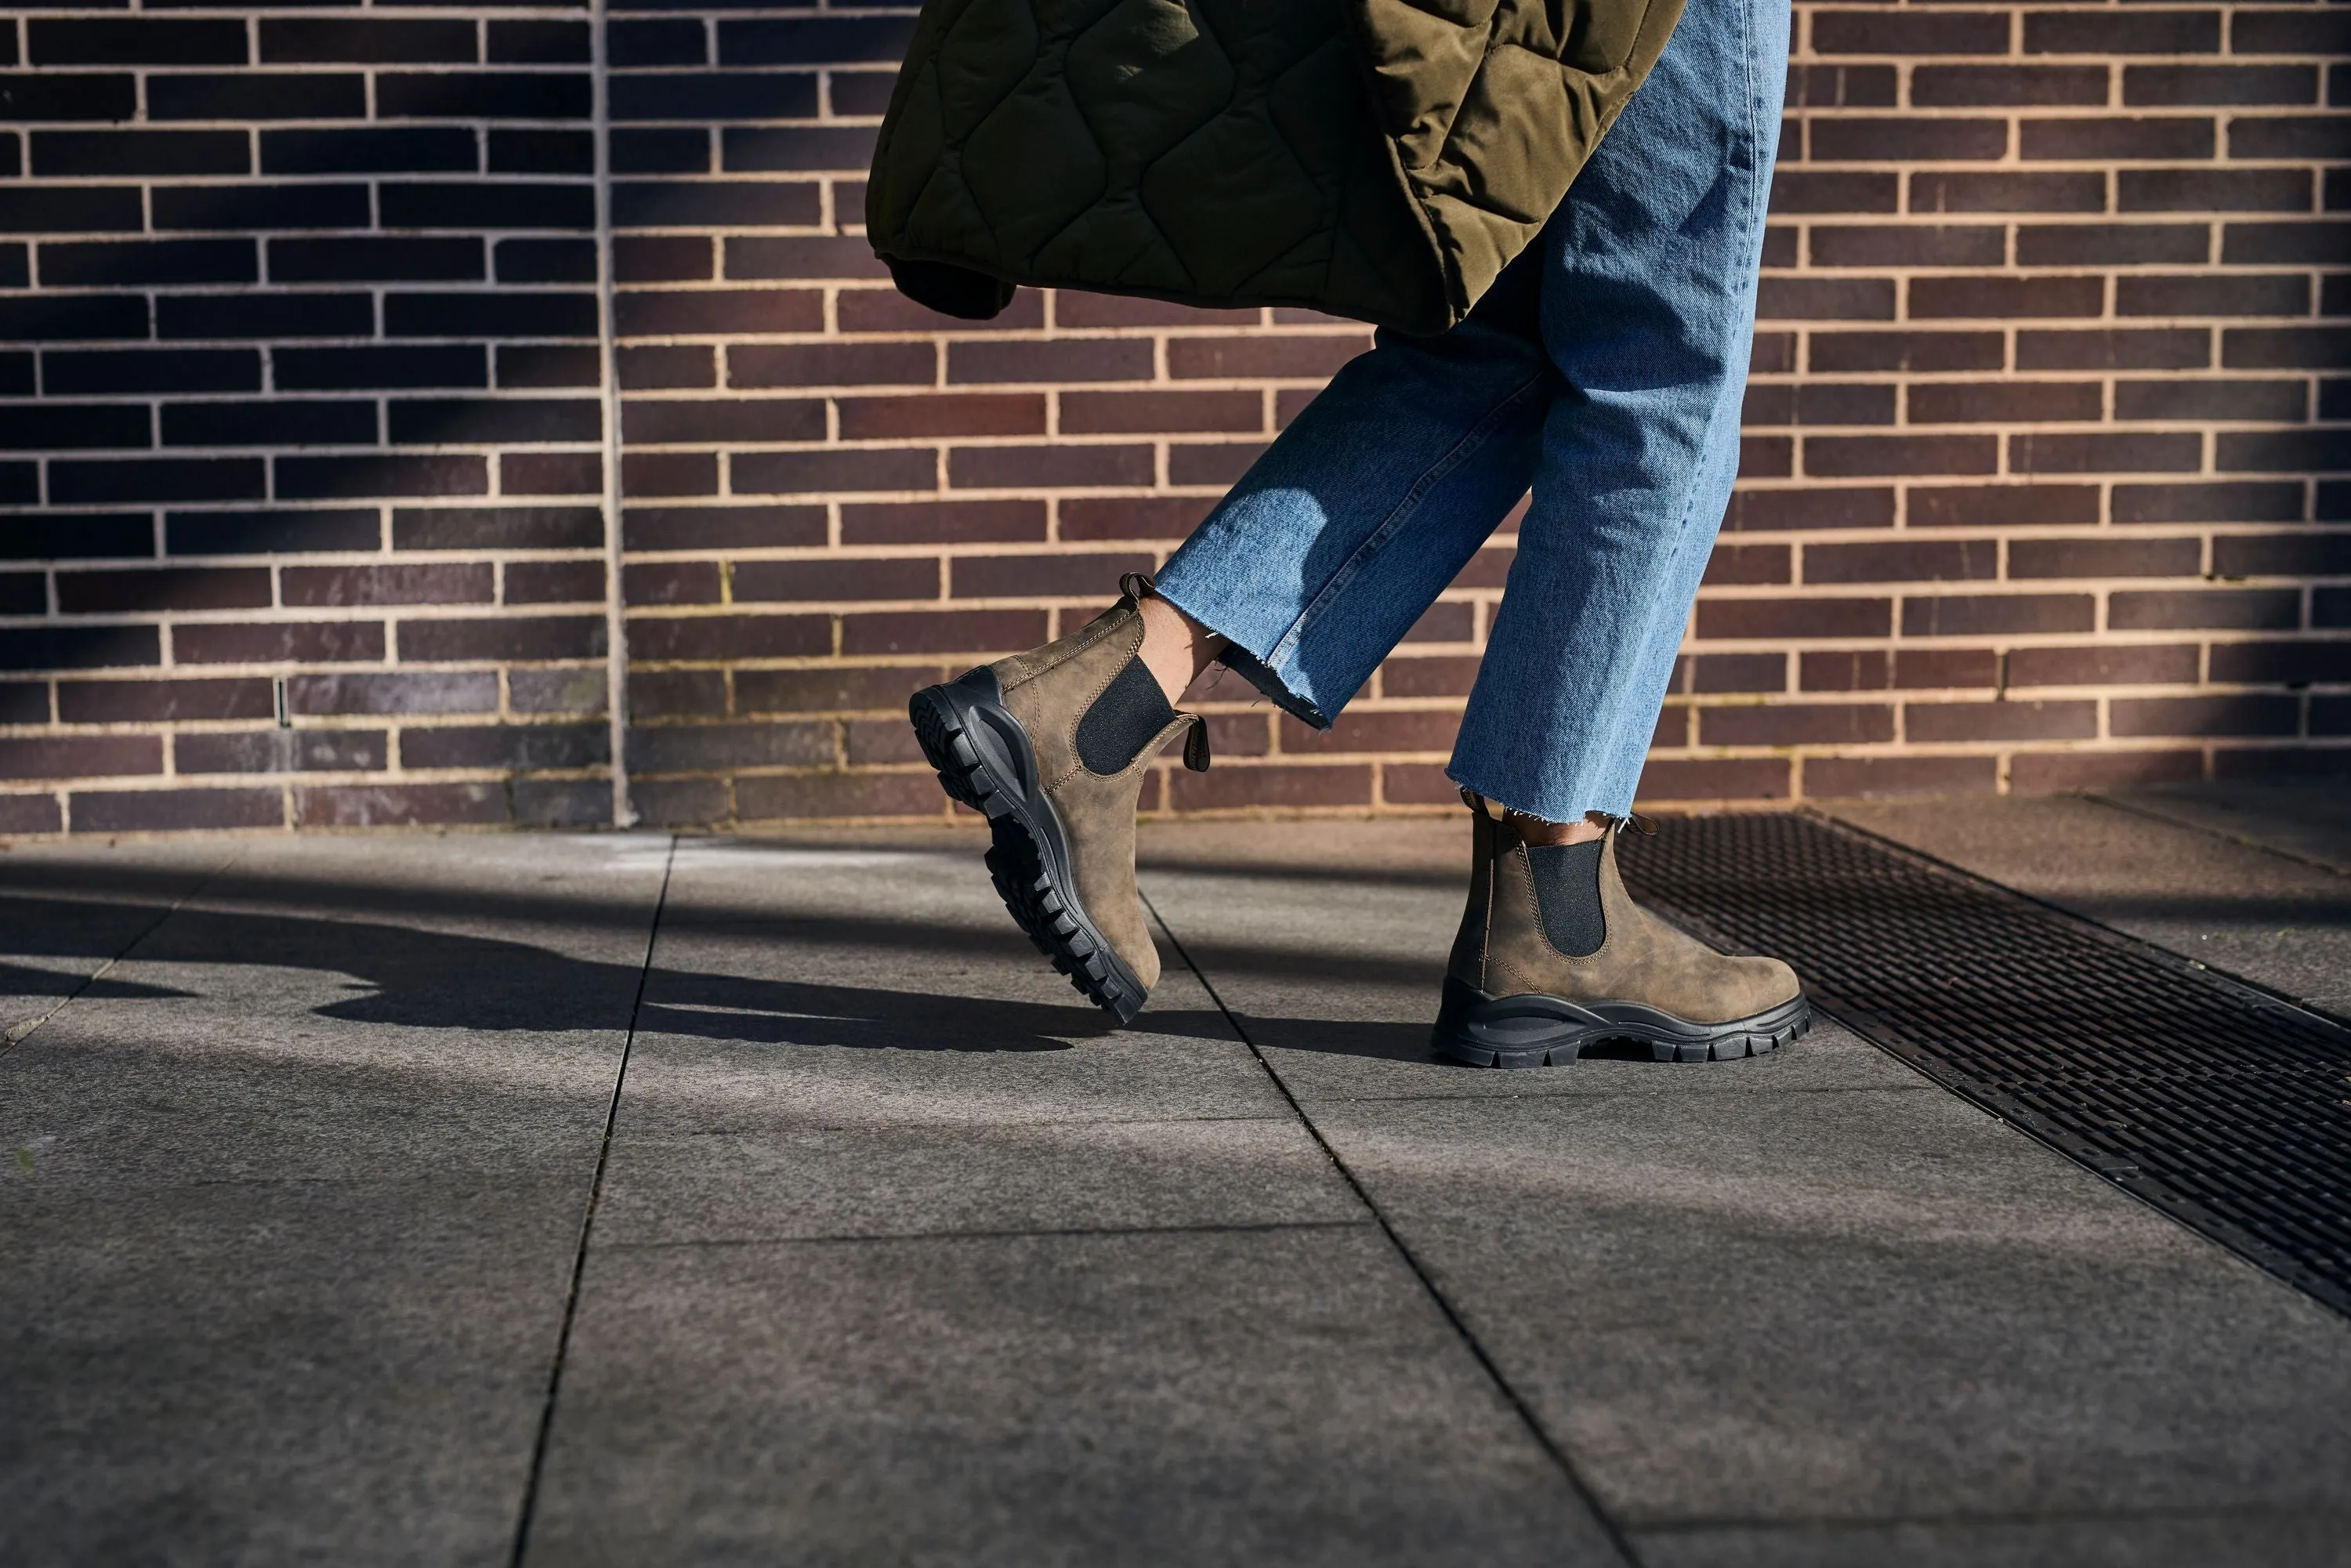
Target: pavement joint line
847, 1239
2145, 814
16, 1036
587, 1223
1517, 1402
2258, 1510
1925, 1086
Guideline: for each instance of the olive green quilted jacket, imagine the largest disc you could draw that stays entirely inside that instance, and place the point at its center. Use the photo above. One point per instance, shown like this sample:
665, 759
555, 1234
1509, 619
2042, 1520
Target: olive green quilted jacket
1376, 159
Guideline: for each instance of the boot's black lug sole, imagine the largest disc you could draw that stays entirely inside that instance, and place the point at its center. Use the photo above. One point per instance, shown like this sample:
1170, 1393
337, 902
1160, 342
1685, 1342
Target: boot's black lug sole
986, 761
1549, 1031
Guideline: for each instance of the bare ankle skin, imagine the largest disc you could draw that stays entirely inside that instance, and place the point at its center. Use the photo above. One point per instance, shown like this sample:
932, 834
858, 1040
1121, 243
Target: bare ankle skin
1535, 831
1175, 648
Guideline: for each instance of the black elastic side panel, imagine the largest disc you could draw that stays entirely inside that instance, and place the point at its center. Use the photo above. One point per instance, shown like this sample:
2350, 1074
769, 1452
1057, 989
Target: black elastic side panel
950, 290
1567, 891
1131, 710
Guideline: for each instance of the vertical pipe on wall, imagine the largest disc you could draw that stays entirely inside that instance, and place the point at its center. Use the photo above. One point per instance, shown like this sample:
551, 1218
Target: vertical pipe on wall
616, 679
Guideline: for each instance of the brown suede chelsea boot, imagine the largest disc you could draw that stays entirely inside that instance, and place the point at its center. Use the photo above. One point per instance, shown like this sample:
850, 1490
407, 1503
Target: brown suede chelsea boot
1053, 745
1554, 957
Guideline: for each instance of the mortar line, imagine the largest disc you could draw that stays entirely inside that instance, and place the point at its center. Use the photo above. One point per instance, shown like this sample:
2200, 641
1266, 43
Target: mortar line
608, 357
1502, 1384
16, 1036
587, 1223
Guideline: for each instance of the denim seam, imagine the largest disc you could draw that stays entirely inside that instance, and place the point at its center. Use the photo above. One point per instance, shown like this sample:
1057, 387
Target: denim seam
1475, 437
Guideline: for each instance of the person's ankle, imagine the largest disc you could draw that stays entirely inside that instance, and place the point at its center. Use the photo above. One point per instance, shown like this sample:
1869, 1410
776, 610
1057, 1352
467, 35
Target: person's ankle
1538, 831
1175, 648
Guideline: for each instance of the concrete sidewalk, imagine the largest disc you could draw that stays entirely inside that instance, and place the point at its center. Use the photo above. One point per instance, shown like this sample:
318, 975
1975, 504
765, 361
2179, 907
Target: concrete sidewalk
616, 1199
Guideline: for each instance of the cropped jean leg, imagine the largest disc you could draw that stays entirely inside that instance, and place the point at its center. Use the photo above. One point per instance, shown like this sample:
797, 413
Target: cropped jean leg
1605, 371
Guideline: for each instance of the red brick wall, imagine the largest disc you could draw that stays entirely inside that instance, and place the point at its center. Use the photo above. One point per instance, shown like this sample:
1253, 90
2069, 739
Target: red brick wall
303, 462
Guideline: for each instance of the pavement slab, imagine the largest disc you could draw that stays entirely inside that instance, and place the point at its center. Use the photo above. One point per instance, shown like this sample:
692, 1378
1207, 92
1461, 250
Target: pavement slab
2282, 922
300, 1192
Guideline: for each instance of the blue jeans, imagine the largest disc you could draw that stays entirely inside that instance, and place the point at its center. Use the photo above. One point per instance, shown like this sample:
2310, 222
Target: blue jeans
1605, 370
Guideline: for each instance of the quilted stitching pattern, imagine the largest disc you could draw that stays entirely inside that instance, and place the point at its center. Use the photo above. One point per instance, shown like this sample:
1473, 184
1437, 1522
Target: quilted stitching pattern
1377, 158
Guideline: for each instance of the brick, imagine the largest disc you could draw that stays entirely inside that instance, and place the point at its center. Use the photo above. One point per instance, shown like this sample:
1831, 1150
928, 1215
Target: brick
120, 152
815, 40
2118, 138
1832, 353
68, 96
23, 702
79, 647
399, 805
173, 811
2235, 715
1073, 310
2271, 294
2003, 402
530, 314
80, 755
1960, 87
338, 369
1040, 576
758, 582
887, 310
747, 204
1951, 191
2326, 136
1766, 457
164, 701
2304, 451
1438, 677
2149, 348
155, 479
2236, 502
1907, 245
134, 41
713, 96
1797, 724
73, 426
1979, 615
1793, 618
654, 423
281, 642
2285, 347
496, 527
337, 478
721, 527
2104, 557
2051, 772
1290, 786
1826, 298
719, 637
82, 536
2278, 663
809, 365
1211, 463
282, 751
815, 256
83, 374
1945, 669
659, 369
2006, 296
662, 258
1715, 779
630, 45
2267, 32
840, 688
2120, 666
1081, 360
2112, 244
1944, 723
1873, 777
2219, 85
1906, 561
71, 209
1444, 623
2038, 452
539, 43
414, 149
1266, 356
506, 204
407, 692
2223, 191
1747, 564
543, 690
1134, 518
1816, 85
546, 365
690, 802
71, 318
1364, 730
676, 693
1835, 670
1857, 456
1027, 467
799, 473
511, 637
1883, 32
673, 582
714, 747
30, 814
2138, 31
452, 583
1796, 190
2282, 555
726, 311
2240, 609
1142, 413
676, 474
509, 747
2269, 763
777, 796
373, 41
943, 632
310, 423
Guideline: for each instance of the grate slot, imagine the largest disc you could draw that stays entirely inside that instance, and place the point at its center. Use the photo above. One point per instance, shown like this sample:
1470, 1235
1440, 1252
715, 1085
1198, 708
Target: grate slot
2221, 1104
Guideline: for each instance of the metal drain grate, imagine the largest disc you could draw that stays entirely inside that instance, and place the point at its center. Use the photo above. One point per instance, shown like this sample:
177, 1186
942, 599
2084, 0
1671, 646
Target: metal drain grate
2221, 1105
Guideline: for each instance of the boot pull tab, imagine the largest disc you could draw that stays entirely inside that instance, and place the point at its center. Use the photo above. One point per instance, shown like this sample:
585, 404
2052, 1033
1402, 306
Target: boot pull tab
1195, 745
1483, 807
1135, 585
